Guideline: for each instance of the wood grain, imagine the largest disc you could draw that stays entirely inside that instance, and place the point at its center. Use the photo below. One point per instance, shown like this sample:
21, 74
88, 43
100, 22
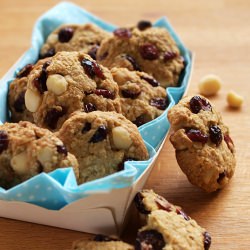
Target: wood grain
218, 32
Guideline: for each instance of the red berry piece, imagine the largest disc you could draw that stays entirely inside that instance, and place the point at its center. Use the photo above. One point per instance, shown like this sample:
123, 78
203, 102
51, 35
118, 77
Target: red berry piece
61, 149
197, 103
182, 213
229, 142
86, 127
207, 241
92, 69
149, 51
103, 56
89, 107
65, 34
140, 120
215, 135
221, 177
4, 140
151, 81
143, 24
51, 52
196, 136
100, 134
130, 94
92, 52
25, 71
122, 33
149, 239
133, 62
53, 116
169, 56
160, 103
105, 93
19, 104
138, 200
163, 204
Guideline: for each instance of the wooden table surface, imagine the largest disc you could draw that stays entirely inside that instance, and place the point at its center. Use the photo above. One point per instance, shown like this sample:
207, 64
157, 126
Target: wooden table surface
219, 34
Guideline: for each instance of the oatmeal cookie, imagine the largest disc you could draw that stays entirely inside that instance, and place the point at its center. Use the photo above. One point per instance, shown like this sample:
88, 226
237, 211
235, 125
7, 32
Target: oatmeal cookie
142, 99
204, 149
27, 150
151, 50
101, 141
67, 82
74, 37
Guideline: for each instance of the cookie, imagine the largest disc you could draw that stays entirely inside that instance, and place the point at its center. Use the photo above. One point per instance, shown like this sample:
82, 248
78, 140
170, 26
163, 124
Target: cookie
151, 50
101, 242
27, 150
74, 37
101, 141
67, 82
142, 99
168, 230
204, 149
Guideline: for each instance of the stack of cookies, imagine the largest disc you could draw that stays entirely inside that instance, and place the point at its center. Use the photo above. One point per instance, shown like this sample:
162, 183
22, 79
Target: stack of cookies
89, 92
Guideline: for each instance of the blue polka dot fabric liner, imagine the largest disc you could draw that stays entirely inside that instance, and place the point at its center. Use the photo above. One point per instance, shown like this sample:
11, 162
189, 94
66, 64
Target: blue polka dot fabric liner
59, 188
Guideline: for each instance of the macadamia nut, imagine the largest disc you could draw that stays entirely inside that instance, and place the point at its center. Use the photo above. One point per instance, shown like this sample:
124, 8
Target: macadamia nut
56, 84
209, 85
121, 137
32, 100
234, 100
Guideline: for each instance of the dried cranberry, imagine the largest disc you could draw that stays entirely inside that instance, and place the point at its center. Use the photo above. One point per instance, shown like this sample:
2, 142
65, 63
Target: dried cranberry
149, 239
133, 62
105, 93
169, 55
40, 82
86, 127
229, 142
65, 34
101, 237
19, 103
122, 33
89, 107
149, 51
143, 24
163, 204
182, 213
207, 240
92, 69
25, 71
130, 94
51, 52
160, 103
138, 200
53, 116
4, 140
196, 136
215, 135
61, 149
151, 81
221, 177
92, 51
140, 120
103, 56
100, 134
197, 103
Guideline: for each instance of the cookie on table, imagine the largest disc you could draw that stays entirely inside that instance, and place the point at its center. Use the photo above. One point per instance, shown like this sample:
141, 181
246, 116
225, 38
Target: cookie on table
142, 99
27, 150
101, 142
67, 82
168, 226
101, 242
74, 37
148, 49
204, 149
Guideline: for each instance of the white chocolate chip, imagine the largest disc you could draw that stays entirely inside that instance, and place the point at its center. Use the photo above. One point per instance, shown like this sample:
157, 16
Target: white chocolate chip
19, 163
56, 84
52, 39
209, 85
32, 100
234, 100
45, 155
121, 138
